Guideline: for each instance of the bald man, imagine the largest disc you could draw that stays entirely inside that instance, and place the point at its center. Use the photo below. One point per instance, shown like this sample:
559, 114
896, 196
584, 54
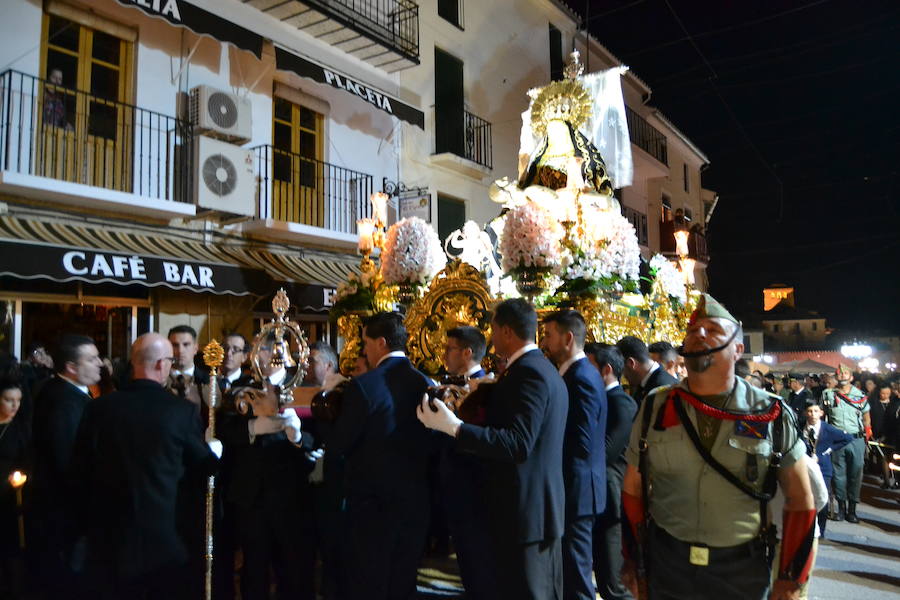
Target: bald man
133, 448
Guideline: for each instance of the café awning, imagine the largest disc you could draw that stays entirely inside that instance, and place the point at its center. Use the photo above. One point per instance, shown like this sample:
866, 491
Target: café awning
202, 22
91, 252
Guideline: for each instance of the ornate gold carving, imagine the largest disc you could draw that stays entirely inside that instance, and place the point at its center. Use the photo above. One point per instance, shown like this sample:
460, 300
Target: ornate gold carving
566, 100
350, 328
458, 295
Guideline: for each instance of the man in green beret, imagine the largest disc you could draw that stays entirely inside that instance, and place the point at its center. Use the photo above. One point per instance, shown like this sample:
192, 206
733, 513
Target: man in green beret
848, 410
715, 449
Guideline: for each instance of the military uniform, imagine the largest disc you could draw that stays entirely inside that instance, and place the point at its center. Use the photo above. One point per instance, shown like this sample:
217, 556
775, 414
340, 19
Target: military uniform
845, 411
704, 532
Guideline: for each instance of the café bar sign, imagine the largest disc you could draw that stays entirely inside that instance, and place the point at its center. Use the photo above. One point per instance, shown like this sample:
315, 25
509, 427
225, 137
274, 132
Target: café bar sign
36, 261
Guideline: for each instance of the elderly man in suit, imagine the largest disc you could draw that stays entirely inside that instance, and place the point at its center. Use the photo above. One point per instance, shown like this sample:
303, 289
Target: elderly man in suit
584, 448
608, 530
643, 373
385, 451
133, 447
521, 444
58, 410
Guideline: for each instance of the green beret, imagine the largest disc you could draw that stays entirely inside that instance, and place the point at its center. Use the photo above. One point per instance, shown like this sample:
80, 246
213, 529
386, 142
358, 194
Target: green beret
709, 308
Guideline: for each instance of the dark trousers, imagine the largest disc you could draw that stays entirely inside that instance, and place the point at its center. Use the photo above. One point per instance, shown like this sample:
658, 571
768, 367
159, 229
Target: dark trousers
530, 571
822, 516
272, 539
736, 573
848, 467
386, 537
577, 558
172, 582
467, 517
608, 560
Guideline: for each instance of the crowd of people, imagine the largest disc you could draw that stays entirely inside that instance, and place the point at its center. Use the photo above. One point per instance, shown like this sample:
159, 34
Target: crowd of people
539, 475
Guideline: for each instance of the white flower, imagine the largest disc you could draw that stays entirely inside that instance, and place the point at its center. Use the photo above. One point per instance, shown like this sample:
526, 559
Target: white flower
531, 238
609, 246
412, 252
669, 277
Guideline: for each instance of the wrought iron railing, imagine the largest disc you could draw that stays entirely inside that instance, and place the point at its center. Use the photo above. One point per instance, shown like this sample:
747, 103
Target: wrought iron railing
394, 23
298, 189
61, 133
478, 140
697, 246
647, 137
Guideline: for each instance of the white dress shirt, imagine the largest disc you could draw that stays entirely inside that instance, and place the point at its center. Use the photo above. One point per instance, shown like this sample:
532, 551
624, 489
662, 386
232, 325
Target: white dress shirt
515, 355
565, 366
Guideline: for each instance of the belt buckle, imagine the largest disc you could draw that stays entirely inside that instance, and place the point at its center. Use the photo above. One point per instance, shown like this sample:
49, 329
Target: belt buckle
699, 556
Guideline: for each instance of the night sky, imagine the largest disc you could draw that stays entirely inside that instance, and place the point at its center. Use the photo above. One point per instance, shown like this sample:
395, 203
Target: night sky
795, 104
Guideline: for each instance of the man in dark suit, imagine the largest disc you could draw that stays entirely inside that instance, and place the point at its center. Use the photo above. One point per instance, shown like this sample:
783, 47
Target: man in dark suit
385, 451
133, 447
642, 372
186, 379
521, 444
826, 439
268, 488
801, 396
462, 478
584, 448
608, 530
58, 411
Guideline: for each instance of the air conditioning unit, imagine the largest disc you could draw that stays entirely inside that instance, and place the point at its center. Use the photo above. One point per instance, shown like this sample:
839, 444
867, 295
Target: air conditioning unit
220, 114
225, 180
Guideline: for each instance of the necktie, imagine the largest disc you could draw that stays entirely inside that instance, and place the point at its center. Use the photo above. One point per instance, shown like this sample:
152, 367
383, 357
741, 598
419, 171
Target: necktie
180, 386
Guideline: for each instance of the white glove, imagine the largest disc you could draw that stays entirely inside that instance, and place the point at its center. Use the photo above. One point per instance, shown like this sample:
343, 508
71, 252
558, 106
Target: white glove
332, 380
442, 420
292, 425
216, 446
264, 425
318, 473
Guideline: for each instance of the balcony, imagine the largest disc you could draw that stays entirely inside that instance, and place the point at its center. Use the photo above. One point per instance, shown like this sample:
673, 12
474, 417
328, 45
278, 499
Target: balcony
303, 199
463, 143
68, 146
384, 33
697, 247
646, 137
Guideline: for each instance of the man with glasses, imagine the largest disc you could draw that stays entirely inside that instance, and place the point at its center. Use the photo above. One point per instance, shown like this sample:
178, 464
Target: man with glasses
235, 348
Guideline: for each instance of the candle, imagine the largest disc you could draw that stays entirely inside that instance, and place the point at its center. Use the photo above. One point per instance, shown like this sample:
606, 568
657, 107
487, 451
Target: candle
681, 242
687, 270
379, 207
366, 230
17, 479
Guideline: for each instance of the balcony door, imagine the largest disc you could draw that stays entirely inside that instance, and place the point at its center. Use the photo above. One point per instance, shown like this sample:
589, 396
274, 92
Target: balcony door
449, 104
85, 121
298, 171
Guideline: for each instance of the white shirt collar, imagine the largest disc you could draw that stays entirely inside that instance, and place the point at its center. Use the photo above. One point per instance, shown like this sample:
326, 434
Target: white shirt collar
646, 378
473, 370
234, 375
394, 354
565, 366
817, 427
278, 377
612, 385
515, 355
186, 372
83, 388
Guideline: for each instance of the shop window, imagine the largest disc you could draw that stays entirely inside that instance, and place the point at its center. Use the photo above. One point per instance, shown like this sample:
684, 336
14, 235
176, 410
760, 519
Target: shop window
298, 170
85, 117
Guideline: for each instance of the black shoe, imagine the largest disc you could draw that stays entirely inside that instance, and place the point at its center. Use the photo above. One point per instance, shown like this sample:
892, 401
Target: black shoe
851, 513
841, 509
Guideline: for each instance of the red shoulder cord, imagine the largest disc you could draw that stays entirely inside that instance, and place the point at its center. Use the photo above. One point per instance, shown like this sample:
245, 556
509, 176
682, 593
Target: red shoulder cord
670, 416
796, 561
849, 399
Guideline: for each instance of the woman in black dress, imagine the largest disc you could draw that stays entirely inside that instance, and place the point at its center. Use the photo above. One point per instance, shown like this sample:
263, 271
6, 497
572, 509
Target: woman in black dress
13, 447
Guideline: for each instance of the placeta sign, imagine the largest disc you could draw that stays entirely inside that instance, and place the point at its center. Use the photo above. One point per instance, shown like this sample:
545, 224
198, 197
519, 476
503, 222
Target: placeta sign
38, 261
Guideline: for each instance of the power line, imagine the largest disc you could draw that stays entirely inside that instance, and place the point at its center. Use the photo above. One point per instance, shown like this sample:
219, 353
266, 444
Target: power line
737, 122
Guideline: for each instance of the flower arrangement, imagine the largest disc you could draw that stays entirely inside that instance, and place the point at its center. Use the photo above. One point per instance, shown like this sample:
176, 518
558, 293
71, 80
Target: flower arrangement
412, 253
356, 293
670, 278
605, 257
531, 241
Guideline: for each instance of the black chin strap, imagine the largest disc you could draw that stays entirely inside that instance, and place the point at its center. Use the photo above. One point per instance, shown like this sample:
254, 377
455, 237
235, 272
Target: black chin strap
681, 351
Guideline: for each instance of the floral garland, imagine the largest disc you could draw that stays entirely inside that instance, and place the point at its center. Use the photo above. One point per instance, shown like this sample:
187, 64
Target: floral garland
669, 277
607, 256
412, 253
531, 240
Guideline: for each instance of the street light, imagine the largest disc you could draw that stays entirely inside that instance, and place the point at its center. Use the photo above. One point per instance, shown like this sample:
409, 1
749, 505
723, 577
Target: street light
856, 351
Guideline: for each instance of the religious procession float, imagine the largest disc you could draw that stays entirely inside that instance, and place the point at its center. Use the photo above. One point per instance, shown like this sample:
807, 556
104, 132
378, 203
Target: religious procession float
560, 239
